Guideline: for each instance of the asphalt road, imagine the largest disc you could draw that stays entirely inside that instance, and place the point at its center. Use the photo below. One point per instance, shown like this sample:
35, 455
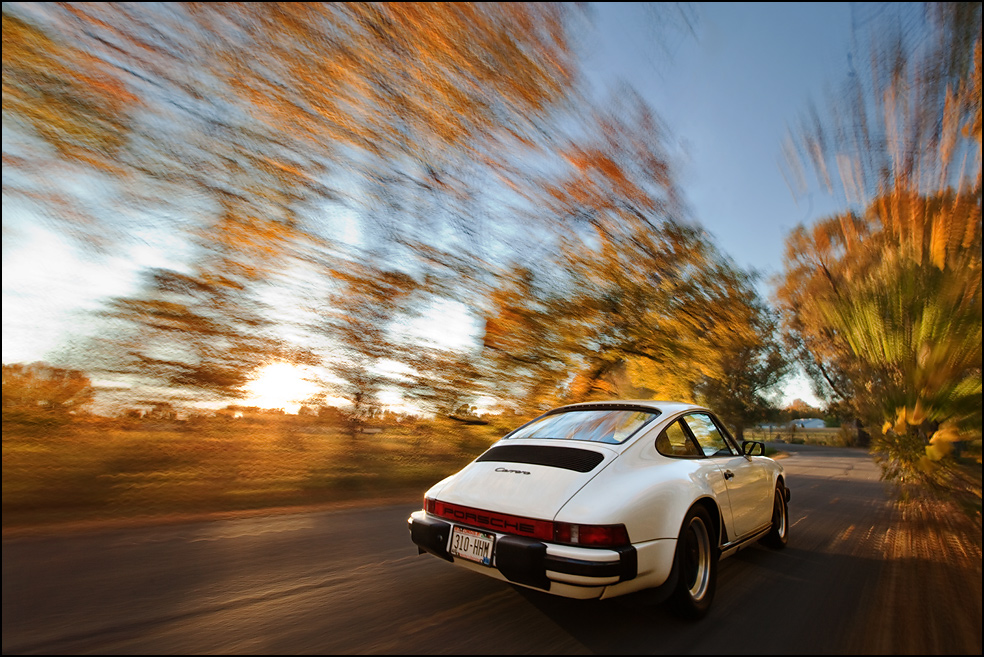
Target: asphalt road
855, 578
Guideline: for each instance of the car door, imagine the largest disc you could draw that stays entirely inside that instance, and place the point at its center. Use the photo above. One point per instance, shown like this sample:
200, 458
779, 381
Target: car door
748, 481
677, 442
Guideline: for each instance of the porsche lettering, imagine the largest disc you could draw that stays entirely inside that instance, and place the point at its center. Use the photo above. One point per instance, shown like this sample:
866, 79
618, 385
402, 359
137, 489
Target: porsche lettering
484, 520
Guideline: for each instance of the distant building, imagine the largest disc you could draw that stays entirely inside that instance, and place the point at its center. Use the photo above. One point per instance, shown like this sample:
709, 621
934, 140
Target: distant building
808, 423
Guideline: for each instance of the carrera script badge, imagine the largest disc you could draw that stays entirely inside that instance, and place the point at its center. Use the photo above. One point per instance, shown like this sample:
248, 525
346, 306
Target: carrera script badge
512, 471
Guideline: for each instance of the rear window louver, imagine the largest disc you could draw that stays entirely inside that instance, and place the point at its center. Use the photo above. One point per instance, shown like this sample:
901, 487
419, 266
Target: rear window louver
568, 458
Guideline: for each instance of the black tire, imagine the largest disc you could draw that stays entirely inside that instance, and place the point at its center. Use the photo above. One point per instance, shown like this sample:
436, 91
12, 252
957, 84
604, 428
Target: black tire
779, 533
695, 563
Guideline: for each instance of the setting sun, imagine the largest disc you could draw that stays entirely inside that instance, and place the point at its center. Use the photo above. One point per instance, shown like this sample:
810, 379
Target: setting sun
281, 385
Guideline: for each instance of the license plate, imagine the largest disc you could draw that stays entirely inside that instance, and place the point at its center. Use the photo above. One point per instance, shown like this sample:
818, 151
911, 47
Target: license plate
472, 545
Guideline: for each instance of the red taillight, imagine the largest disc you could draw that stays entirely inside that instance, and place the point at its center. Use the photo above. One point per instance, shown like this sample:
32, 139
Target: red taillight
591, 535
430, 505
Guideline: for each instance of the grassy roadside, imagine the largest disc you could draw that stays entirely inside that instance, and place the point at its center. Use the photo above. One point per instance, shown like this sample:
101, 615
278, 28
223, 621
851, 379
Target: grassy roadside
115, 471
110, 470
830, 436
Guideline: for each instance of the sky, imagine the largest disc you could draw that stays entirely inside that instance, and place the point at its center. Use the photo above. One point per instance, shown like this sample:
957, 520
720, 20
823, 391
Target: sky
728, 91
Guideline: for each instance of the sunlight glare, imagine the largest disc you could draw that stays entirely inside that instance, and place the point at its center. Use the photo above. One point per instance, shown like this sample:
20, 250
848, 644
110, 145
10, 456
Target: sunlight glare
282, 385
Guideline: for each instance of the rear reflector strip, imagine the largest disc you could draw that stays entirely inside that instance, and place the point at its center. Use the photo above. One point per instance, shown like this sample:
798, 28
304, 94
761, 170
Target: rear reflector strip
607, 536
507, 524
568, 458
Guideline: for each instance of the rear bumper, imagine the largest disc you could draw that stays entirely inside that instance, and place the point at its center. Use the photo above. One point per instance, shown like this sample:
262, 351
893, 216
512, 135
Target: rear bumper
531, 562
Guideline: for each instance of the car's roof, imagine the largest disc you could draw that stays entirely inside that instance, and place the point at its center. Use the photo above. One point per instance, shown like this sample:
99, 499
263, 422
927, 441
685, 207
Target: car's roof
665, 407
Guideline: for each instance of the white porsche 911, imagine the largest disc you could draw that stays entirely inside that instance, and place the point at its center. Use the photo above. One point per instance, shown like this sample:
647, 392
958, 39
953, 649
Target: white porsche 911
601, 499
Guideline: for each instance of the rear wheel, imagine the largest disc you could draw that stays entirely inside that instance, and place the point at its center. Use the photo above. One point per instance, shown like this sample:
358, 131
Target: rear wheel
696, 565
776, 538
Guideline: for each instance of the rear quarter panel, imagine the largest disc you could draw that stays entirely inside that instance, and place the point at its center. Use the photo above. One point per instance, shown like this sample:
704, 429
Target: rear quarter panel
648, 492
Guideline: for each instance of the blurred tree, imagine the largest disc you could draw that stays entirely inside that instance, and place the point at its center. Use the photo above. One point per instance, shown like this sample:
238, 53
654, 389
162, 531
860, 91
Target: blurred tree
800, 409
882, 304
898, 315
192, 334
752, 367
525, 342
38, 393
359, 315
266, 131
280, 105
62, 94
382, 110
911, 120
444, 382
639, 303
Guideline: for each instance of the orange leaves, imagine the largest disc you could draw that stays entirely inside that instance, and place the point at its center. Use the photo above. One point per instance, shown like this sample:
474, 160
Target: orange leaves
266, 98
616, 181
405, 78
596, 162
39, 389
887, 308
941, 231
67, 96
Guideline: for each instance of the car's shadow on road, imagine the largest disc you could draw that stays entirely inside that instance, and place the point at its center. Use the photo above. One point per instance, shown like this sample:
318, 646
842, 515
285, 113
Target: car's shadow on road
766, 603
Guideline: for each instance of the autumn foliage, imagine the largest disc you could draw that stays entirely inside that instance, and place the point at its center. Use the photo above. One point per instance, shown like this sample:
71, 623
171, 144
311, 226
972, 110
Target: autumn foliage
882, 303
318, 177
41, 395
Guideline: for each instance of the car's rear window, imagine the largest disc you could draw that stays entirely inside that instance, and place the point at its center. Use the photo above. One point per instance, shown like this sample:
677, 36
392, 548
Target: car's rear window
599, 426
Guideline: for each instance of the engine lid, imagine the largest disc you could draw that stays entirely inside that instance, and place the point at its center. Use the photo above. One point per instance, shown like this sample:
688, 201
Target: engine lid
533, 479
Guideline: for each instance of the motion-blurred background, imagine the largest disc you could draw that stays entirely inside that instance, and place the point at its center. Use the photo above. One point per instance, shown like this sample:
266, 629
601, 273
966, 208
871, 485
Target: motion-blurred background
272, 254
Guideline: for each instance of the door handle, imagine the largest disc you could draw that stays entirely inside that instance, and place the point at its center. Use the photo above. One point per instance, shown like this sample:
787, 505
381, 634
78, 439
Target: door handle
728, 474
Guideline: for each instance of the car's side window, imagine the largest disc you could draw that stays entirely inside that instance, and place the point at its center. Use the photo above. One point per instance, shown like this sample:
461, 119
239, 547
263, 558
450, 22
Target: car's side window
674, 441
728, 436
726, 433
708, 436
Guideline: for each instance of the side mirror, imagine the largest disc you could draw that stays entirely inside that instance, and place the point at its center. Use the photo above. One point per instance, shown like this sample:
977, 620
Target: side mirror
752, 448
